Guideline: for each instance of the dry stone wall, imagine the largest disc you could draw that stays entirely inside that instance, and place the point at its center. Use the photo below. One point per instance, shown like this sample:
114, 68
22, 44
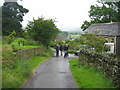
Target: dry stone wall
28, 53
109, 66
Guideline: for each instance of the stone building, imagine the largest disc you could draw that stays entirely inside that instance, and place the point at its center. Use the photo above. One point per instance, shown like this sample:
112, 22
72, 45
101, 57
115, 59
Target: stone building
110, 31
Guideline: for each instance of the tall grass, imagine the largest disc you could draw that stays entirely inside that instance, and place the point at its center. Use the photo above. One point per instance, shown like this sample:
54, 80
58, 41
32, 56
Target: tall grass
7, 51
15, 72
14, 75
89, 77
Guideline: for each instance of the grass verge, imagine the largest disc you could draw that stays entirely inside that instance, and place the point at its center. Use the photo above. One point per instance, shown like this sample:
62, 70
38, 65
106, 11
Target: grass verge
88, 77
15, 72
20, 70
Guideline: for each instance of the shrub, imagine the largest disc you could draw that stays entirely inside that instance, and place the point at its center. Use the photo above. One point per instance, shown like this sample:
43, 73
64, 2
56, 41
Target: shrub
18, 44
20, 41
11, 37
89, 41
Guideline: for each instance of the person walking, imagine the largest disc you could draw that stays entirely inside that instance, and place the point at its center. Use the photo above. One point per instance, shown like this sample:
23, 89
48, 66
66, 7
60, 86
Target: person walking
57, 50
61, 49
66, 47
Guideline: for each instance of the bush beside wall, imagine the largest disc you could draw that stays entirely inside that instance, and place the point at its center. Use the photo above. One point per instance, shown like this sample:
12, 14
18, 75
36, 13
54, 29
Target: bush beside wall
109, 66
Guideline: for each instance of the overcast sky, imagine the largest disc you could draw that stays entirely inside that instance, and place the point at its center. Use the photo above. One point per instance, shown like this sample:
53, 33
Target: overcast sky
69, 14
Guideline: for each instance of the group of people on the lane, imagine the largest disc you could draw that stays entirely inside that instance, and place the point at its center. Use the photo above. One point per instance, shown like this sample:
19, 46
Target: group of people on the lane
62, 49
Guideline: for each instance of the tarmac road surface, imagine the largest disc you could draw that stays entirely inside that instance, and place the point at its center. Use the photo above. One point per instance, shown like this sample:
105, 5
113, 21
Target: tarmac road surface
53, 73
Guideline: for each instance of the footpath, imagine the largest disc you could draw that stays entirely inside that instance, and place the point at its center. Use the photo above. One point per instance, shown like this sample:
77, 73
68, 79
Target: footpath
53, 73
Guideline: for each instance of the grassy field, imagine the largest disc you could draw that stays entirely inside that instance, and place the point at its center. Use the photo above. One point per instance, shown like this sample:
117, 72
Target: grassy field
74, 35
88, 77
28, 46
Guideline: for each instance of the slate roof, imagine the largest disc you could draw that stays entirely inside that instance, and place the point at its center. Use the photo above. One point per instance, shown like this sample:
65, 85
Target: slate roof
108, 29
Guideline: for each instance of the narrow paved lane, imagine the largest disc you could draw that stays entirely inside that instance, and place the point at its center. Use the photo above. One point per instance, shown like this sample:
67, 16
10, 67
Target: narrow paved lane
53, 73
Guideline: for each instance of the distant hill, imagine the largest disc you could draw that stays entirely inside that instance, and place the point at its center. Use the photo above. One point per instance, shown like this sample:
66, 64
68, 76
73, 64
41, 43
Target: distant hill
74, 31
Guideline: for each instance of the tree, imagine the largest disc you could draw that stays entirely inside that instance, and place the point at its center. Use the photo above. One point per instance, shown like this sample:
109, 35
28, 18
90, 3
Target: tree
12, 16
85, 25
43, 31
64, 33
106, 13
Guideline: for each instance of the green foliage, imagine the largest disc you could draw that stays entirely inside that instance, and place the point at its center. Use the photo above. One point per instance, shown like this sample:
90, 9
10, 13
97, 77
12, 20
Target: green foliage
54, 43
12, 16
20, 70
36, 61
31, 42
25, 34
16, 71
18, 44
103, 14
88, 77
96, 42
89, 41
85, 25
7, 51
43, 31
20, 41
71, 51
4, 40
12, 81
47, 53
73, 45
11, 37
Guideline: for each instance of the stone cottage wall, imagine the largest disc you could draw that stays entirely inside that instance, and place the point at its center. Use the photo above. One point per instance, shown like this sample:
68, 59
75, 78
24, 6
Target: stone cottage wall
109, 66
